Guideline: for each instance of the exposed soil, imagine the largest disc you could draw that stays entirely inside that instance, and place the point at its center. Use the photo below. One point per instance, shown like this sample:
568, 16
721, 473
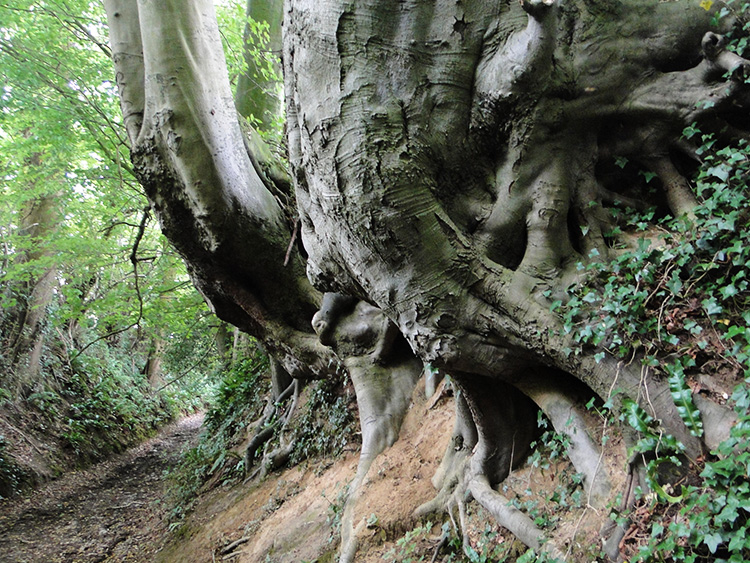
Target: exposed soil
115, 510
293, 515
112, 511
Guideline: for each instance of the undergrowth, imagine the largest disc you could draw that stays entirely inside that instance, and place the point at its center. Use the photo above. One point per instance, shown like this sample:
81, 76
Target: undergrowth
681, 307
327, 423
677, 301
237, 400
322, 426
13, 478
107, 406
87, 408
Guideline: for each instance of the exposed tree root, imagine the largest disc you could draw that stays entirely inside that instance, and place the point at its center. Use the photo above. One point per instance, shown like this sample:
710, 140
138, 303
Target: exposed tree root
384, 373
264, 431
472, 469
510, 517
563, 411
383, 396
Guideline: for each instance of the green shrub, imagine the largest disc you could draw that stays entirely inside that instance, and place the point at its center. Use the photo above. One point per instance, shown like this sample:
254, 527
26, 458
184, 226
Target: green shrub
12, 477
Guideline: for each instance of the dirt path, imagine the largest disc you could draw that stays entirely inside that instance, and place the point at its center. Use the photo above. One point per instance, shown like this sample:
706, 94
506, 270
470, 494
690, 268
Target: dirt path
109, 512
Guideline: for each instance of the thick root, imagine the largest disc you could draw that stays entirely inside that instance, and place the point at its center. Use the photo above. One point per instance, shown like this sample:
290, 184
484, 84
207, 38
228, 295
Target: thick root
563, 411
510, 517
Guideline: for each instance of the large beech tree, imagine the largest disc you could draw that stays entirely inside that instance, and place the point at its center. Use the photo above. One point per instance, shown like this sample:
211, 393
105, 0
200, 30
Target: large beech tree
448, 182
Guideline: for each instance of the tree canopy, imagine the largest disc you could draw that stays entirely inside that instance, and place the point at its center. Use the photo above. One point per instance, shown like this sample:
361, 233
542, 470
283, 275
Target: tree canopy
543, 201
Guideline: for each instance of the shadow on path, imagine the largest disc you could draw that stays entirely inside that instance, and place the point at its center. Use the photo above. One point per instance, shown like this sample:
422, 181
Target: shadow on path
112, 511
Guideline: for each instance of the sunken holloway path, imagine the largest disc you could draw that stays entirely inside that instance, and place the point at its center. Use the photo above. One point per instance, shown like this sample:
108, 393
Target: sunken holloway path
112, 511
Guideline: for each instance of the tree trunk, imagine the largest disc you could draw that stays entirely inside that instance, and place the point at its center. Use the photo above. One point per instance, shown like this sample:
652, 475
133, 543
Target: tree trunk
447, 161
446, 158
220, 210
23, 323
256, 95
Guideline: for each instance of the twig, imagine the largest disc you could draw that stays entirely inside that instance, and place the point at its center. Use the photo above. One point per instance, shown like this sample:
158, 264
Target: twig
443, 541
232, 546
134, 261
291, 242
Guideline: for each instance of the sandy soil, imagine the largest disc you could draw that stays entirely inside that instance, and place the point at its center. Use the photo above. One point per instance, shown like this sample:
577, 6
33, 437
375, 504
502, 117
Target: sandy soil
115, 510
292, 516
112, 511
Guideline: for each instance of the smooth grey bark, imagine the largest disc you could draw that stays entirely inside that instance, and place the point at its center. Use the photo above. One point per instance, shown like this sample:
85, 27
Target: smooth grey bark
380, 137
444, 158
22, 326
384, 372
215, 201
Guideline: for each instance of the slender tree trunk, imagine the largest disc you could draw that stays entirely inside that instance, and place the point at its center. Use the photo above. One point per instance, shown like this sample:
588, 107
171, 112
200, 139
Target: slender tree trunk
256, 95
23, 324
223, 345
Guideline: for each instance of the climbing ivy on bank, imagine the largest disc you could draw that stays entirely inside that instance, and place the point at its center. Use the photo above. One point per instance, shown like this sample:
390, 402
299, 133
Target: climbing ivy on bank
678, 299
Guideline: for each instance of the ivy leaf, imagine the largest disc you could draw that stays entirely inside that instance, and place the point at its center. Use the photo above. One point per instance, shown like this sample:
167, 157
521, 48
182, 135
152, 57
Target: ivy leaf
713, 541
712, 306
683, 400
728, 291
721, 172
674, 284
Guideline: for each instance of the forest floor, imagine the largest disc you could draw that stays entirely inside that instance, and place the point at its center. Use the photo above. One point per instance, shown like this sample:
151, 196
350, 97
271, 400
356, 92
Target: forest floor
112, 511
294, 515
117, 510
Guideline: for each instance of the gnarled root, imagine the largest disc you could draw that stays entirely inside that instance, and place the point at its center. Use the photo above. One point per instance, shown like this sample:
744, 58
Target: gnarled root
277, 457
383, 397
384, 373
510, 517
499, 422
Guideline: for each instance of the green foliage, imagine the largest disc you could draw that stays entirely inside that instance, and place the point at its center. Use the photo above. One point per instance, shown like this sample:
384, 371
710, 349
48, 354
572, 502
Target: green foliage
323, 427
336, 512
71, 213
109, 412
242, 389
678, 298
326, 425
12, 477
709, 521
251, 55
683, 396
237, 400
549, 450
407, 546
418, 544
